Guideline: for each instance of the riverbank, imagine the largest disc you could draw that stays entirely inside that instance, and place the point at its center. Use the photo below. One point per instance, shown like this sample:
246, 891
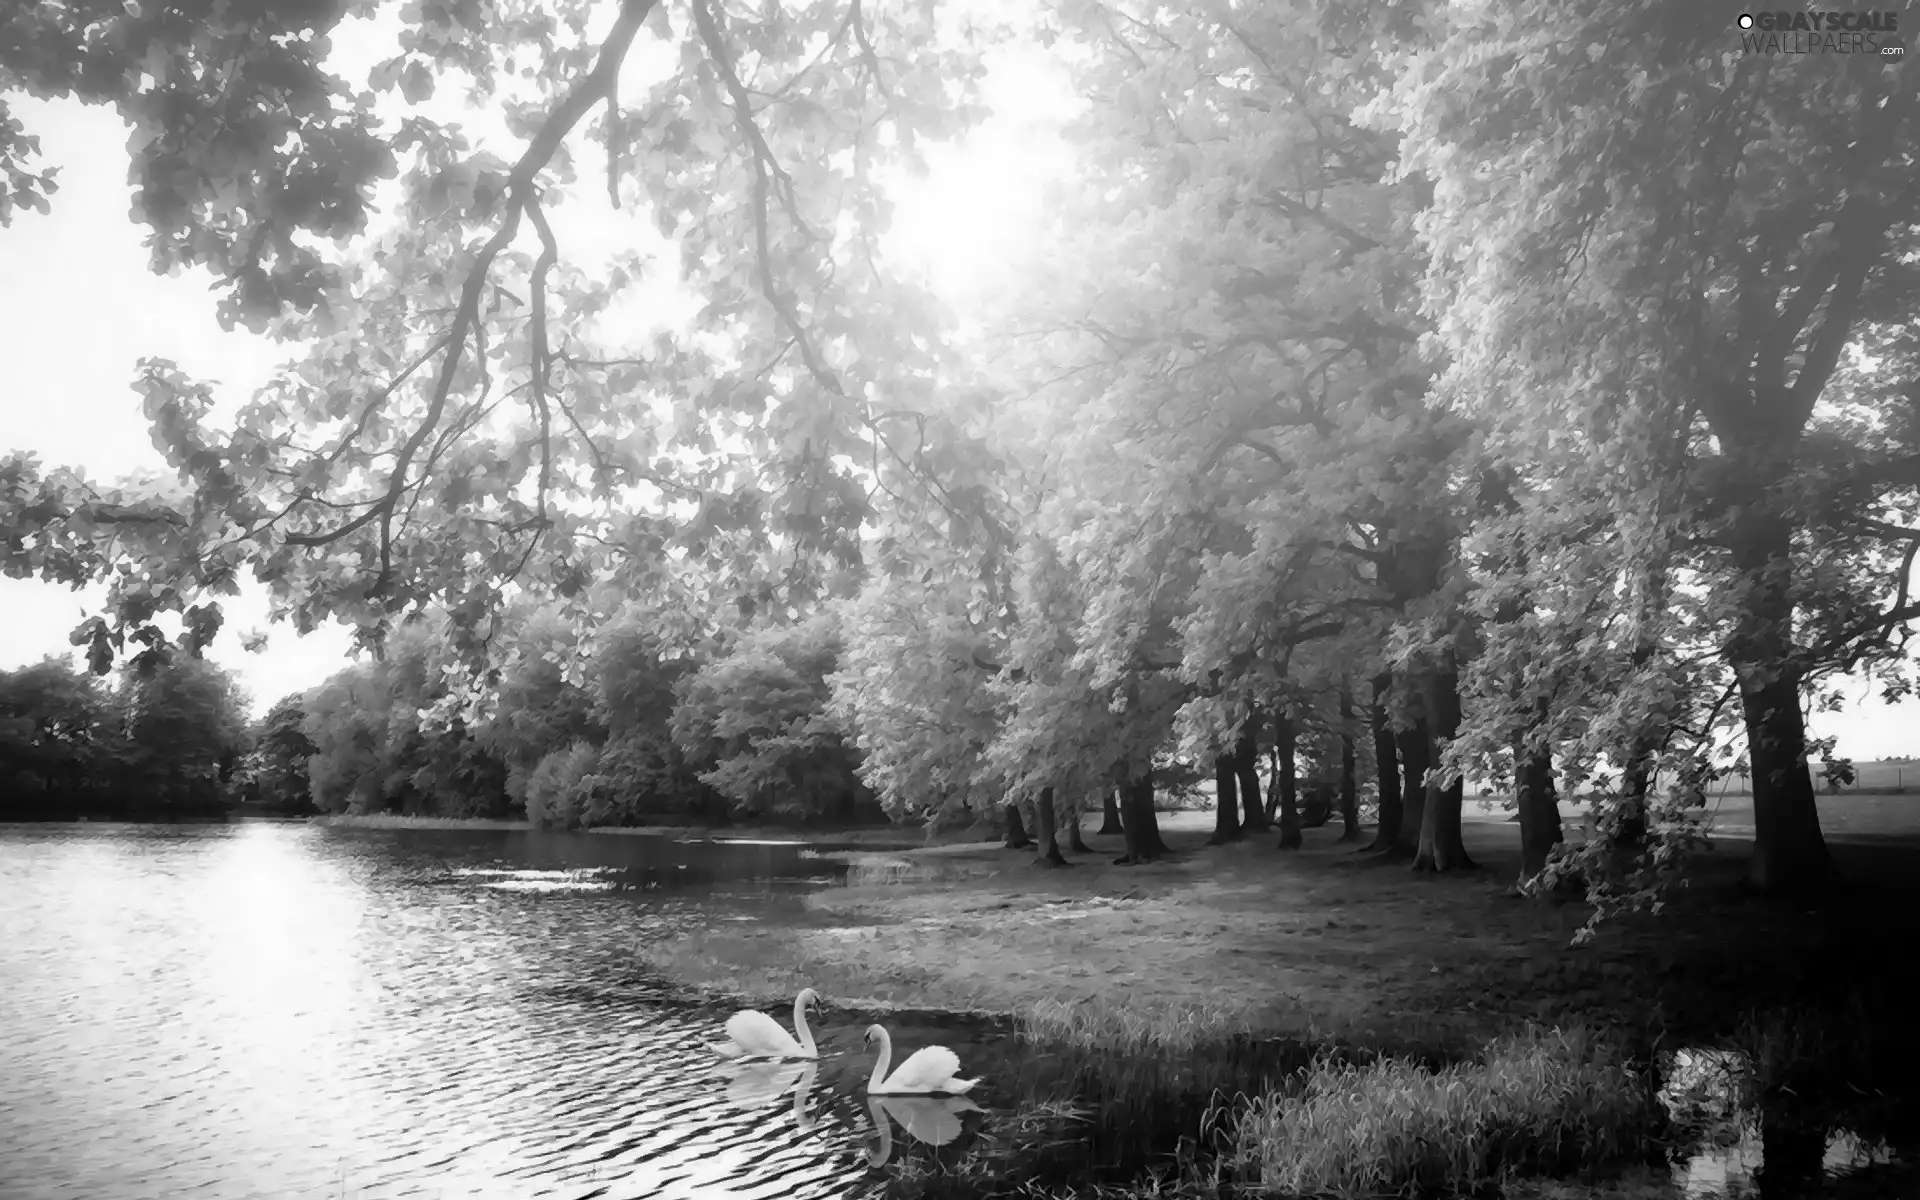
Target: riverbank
1330, 1023
1316, 943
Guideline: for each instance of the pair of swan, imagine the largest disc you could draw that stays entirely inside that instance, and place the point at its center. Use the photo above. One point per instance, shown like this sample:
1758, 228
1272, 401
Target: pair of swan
928, 1071
933, 1120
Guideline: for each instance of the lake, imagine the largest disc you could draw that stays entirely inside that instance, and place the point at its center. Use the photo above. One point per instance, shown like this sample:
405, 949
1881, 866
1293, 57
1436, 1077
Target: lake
284, 1010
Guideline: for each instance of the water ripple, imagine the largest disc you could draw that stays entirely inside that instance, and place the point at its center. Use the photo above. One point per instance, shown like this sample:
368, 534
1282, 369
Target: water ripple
286, 1011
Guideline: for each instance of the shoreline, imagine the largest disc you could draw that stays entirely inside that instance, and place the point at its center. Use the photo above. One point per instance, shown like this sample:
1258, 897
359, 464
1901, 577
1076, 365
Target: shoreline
889, 836
1319, 944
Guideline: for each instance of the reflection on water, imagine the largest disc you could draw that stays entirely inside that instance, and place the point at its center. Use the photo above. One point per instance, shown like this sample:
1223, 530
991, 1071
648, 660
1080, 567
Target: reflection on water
280, 1010
1712, 1094
934, 1120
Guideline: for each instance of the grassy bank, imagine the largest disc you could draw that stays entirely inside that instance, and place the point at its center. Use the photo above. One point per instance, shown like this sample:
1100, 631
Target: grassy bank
1236, 1007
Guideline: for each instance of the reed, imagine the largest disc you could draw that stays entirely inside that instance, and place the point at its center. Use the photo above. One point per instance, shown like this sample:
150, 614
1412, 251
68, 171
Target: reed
1540, 1103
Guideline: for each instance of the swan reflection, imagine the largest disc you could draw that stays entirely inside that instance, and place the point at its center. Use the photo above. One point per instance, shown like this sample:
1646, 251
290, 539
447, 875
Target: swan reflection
755, 1085
934, 1120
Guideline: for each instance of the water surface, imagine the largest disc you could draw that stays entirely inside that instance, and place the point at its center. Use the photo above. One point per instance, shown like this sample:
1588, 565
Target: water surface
284, 1010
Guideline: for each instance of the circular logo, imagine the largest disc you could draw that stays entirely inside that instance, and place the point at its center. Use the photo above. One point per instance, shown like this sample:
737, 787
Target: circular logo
1745, 21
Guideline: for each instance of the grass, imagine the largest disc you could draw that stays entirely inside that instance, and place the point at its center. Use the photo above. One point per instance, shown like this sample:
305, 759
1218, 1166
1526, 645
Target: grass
1537, 1103
1118, 1030
745, 966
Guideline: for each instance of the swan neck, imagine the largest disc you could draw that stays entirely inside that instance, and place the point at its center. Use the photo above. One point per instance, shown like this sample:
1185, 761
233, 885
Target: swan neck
800, 1024
881, 1064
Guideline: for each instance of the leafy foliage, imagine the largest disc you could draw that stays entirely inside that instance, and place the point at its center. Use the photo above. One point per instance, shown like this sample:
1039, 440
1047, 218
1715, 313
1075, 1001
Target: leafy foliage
60, 738
276, 767
758, 721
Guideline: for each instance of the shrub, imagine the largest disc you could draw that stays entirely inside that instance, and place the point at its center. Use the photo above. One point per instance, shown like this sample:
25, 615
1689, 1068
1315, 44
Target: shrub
558, 792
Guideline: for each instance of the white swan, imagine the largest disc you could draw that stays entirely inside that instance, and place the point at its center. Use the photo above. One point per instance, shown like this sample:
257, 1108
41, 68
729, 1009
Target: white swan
753, 1034
928, 1071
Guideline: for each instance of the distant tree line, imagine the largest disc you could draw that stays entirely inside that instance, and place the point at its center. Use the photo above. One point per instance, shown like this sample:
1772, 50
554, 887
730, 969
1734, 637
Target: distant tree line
581, 728
166, 740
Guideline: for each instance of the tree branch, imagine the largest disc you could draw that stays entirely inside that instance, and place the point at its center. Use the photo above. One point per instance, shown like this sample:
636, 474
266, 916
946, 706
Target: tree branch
521, 192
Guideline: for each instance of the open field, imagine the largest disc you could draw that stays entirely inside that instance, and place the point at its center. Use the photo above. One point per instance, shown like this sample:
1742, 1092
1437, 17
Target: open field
1889, 775
1863, 817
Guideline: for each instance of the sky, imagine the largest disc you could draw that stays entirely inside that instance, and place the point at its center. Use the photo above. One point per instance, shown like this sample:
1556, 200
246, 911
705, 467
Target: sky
80, 308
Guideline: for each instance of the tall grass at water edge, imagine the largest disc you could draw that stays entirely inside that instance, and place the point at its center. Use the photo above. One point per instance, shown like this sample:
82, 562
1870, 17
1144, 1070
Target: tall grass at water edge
1191, 1103
1541, 1102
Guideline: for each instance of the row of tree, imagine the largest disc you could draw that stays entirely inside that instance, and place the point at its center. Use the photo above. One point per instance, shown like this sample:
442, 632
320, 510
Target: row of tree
589, 727
167, 742
1542, 412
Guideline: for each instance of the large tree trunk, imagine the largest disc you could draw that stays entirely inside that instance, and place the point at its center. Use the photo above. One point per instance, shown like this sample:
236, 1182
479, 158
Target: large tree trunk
1075, 842
1048, 830
1246, 763
1416, 754
1441, 847
1539, 808
1226, 801
1789, 851
1109, 813
1017, 838
1349, 786
1142, 826
1386, 830
1288, 783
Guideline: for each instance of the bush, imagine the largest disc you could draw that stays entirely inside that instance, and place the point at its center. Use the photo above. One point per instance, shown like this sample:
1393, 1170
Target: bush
559, 790
1538, 1103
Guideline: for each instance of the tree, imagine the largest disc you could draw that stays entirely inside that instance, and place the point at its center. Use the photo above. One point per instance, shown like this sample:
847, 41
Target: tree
186, 730
345, 721
458, 419
915, 687
395, 734
277, 766
1679, 340
537, 707
1230, 348
758, 721
634, 666
60, 738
